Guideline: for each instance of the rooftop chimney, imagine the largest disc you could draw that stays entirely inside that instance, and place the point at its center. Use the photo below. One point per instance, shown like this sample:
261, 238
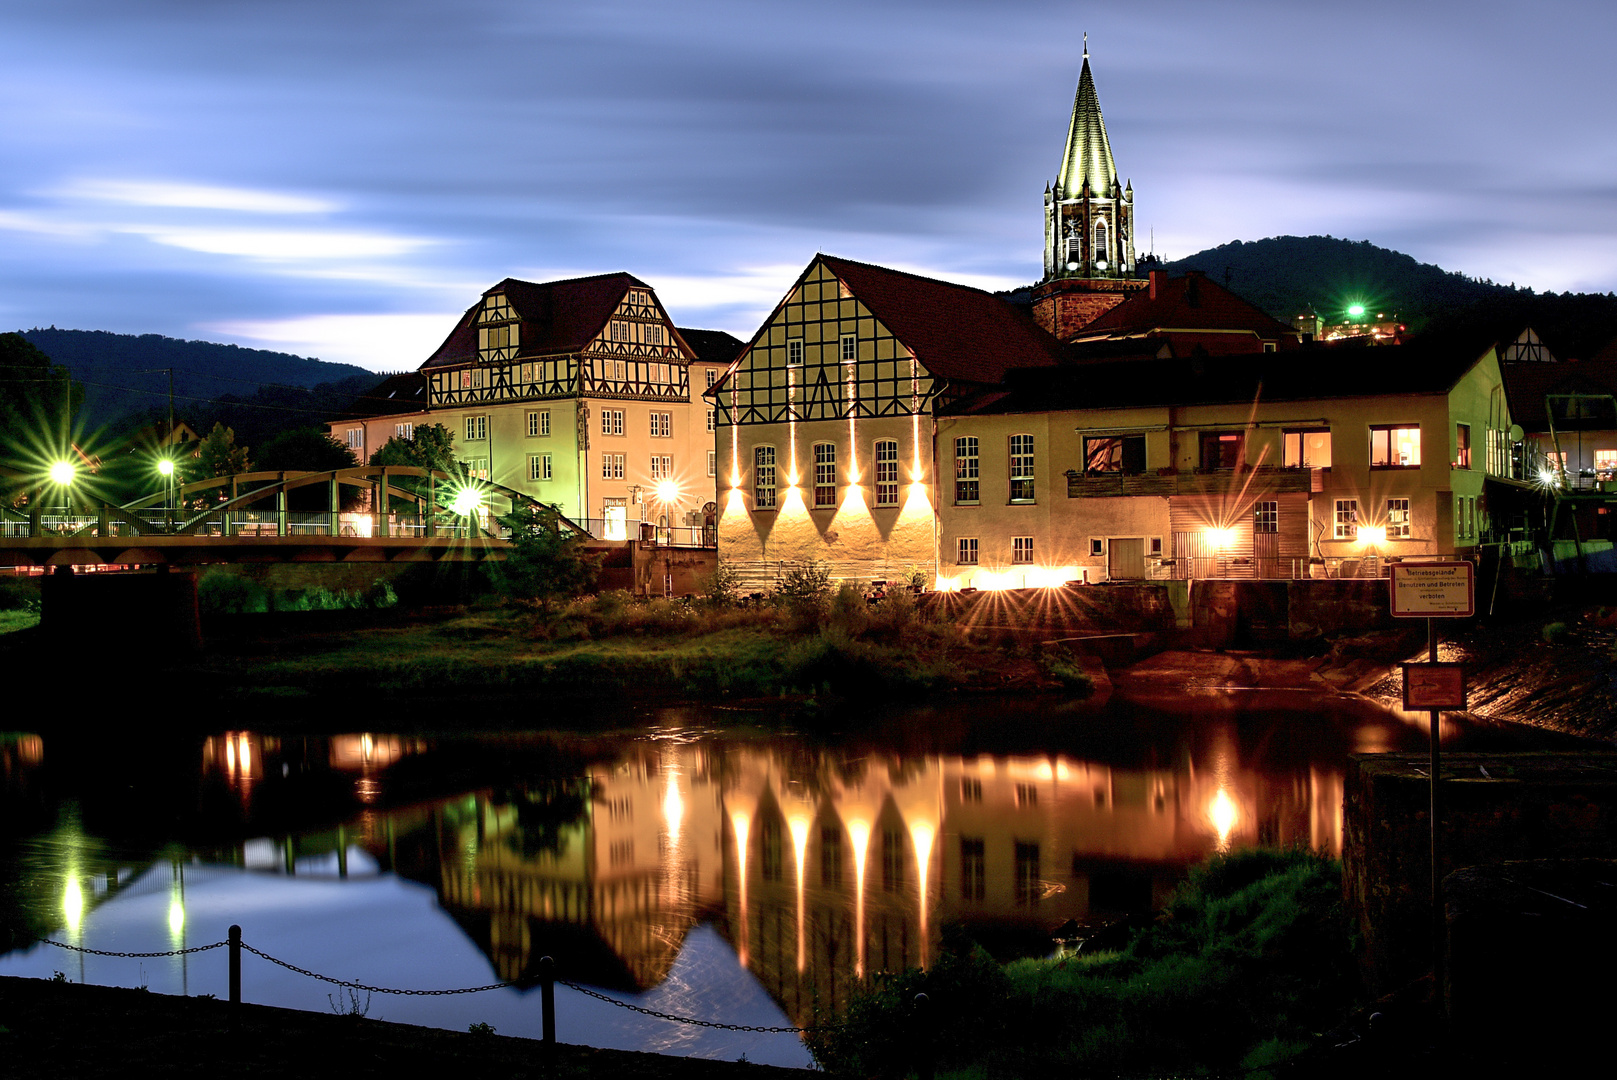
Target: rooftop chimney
1158, 278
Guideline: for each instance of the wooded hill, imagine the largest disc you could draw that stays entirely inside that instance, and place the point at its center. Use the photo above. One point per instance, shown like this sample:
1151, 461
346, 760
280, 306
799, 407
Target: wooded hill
255, 391
1285, 274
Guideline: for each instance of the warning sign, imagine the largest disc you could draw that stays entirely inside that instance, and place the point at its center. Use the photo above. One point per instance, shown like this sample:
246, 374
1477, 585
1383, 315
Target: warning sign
1444, 590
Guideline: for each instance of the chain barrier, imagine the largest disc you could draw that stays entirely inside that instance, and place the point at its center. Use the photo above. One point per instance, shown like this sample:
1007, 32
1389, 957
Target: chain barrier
350, 984
105, 952
680, 1019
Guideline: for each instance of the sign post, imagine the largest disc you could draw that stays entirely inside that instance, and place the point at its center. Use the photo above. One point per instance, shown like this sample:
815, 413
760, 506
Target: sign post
1435, 590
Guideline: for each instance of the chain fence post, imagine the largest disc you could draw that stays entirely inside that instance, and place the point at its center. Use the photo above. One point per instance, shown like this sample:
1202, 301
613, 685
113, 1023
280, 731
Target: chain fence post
235, 964
926, 1057
547, 1006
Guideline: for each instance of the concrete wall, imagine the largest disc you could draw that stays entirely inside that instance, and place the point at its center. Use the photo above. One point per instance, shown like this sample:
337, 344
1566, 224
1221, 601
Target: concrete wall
1527, 806
1133, 608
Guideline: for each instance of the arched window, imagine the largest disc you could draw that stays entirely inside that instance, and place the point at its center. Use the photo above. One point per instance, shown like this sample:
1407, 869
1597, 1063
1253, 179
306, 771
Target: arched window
1100, 241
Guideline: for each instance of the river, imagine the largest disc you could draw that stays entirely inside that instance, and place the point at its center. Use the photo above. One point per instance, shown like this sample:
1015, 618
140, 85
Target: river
690, 861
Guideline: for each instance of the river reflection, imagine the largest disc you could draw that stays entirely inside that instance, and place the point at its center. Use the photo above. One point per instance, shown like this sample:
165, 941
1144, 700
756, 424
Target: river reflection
695, 866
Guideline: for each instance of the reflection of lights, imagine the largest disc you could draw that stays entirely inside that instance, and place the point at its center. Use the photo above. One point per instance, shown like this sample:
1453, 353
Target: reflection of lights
859, 833
800, 828
63, 472
922, 835
1046, 771
673, 807
741, 823
1224, 816
73, 905
176, 917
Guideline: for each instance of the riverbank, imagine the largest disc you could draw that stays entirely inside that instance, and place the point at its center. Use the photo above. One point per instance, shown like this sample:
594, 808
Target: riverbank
50, 1030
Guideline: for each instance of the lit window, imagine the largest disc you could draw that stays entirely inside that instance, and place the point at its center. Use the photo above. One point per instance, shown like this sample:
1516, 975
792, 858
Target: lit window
611, 466
1395, 447
1021, 468
1306, 449
1347, 520
763, 477
1606, 463
850, 347
794, 352
404, 431
965, 469
1115, 454
1022, 549
662, 425
1462, 446
966, 551
477, 467
476, 428
539, 467
887, 472
1397, 518
1266, 517
1221, 449
825, 474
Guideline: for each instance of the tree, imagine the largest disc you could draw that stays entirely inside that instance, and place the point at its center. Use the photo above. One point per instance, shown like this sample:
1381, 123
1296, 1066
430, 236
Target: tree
546, 564
431, 447
304, 449
219, 455
37, 401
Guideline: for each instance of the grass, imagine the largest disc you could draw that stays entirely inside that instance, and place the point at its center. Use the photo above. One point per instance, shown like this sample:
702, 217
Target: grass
1251, 957
17, 620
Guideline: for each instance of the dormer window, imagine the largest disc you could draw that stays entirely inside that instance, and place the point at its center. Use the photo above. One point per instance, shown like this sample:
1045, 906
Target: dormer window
497, 329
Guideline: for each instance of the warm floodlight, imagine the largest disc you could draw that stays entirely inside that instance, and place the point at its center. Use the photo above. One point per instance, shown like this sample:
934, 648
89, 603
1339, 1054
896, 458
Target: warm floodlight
1355, 311
1220, 538
165, 466
62, 473
667, 491
467, 500
1372, 534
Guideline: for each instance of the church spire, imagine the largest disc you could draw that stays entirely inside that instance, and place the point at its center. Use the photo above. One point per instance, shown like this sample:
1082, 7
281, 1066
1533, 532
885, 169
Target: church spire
1088, 155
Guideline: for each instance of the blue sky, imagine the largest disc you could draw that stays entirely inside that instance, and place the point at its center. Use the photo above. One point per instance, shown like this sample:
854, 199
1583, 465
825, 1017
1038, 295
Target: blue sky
342, 179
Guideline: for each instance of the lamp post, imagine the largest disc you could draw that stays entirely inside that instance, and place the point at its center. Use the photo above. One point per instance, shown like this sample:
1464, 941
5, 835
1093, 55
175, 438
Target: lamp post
165, 469
62, 474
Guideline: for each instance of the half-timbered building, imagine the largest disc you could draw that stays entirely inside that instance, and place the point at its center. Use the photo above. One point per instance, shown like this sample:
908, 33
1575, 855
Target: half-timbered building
826, 418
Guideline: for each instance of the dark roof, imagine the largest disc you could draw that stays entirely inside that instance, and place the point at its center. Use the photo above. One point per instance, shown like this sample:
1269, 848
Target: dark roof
711, 346
1186, 303
1527, 383
1607, 353
404, 393
557, 316
959, 333
1298, 375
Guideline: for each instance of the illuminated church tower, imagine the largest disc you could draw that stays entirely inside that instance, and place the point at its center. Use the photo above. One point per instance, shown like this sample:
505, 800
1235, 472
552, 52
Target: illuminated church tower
1089, 261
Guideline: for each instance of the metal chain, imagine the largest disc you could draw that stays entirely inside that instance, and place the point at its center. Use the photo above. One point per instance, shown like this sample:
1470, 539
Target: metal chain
370, 989
104, 952
680, 1019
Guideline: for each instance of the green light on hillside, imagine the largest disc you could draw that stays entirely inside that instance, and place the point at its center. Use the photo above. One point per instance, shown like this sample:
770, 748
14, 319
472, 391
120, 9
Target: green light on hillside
1355, 311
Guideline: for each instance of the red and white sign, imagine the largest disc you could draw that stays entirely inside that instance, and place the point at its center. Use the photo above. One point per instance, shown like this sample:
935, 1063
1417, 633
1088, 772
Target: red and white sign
1434, 590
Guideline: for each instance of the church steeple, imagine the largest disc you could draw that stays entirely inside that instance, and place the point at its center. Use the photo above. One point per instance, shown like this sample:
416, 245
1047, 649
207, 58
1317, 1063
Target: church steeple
1088, 216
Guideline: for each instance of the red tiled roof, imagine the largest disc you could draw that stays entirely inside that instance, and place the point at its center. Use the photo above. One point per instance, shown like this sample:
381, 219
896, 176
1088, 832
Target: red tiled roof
1186, 303
1527, 383
959, 333
405, 393
557, 316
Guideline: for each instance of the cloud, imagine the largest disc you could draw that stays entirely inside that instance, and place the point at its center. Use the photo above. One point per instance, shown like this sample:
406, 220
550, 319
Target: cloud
192, 197
278, 244
379, 342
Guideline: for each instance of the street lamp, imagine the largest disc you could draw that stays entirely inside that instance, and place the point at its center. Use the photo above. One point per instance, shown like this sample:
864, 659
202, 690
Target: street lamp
165, 469
62, 474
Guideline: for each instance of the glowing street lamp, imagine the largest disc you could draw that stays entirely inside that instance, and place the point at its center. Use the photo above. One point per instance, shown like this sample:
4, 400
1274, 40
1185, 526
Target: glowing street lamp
165, 467
62, 474
466, 503
1355, 311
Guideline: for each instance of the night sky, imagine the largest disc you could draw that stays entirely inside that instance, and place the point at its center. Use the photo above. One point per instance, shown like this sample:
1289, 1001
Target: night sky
340, 179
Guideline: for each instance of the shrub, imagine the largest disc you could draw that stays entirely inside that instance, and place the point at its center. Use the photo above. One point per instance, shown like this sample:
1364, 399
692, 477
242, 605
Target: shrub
722, 587
18, 594
1555, 632
222, 593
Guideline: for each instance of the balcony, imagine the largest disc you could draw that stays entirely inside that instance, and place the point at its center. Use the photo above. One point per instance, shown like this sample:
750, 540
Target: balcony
1166, 482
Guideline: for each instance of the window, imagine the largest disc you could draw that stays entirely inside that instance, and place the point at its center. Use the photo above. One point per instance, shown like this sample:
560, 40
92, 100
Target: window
1155, 544
466, 379
662, 467
404, 431
1395, 447
794, 352
1266, 517
1115, 454
1221, 450
1021, 468
478, 377
971, 789
1028, 889
763, 477
712, 375
1100, 241
825, 474
478, 467
539, 423
662, 425
1097, 547
1022, 549
539, 467
965, 469
850, 347
973, 872
1397, 519
611, 421
1306, 449
476, 428
1462, 446
1605, 463
713, 463
1271, 346
887, 472
356, 438
611, 466
892, 860
711, 418
1347, 520
966, 551
830, 856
